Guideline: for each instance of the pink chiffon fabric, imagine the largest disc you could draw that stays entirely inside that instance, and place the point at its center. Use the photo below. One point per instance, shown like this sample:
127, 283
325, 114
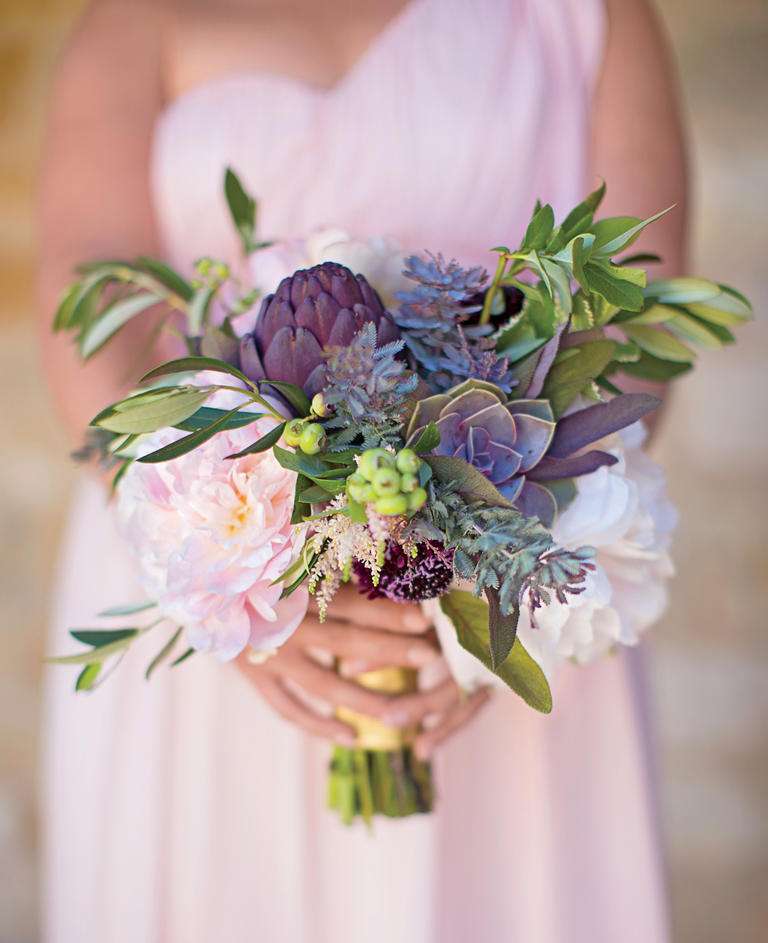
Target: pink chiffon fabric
183, 810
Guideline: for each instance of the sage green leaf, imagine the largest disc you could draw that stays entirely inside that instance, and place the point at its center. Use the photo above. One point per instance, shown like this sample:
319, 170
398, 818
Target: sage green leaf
682, 291
242, 208
63, 315
653, 314
195, 365
161, 656
84, 658
558, 277
579, 257
728, 309
128, 610
262, 444
153, 410
519, 671
605, 281
308, 465
568, 377
470, 481
87, 677
294, 395
208, 414
197, 312
112, 318
649, 367
502, 628
192, 441
98, 638
583, 315
540, 228
580, 217
429, 438
659, 343
169, 278
183, 657
317, 494
688, 328
616, 233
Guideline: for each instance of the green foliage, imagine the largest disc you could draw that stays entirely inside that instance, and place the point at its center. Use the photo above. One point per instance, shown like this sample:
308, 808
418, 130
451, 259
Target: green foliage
152, 409
242, 208
470, 617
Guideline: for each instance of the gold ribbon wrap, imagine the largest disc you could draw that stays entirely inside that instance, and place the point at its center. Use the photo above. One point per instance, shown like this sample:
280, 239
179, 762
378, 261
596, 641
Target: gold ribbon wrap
373, 734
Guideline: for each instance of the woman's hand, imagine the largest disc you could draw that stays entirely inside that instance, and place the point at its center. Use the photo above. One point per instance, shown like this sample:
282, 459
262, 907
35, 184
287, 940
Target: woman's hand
363, 634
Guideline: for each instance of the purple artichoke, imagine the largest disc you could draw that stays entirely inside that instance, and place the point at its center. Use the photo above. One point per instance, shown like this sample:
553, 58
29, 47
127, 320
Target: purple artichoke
518, 445
312, 310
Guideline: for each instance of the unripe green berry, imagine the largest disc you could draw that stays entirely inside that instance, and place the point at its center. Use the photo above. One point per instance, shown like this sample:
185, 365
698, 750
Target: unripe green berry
361, 494
408, 483
373, 459
417, 499
386, 481
312, 439
407, 462
391, 505
292, 431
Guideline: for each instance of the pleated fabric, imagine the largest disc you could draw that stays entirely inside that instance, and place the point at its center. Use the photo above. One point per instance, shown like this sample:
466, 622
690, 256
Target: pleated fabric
183, 810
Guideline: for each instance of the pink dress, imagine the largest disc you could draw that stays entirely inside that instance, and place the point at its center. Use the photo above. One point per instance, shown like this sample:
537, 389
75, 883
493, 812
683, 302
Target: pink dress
183, 810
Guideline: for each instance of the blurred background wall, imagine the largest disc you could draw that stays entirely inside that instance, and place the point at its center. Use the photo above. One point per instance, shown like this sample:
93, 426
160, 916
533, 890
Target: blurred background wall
709, 658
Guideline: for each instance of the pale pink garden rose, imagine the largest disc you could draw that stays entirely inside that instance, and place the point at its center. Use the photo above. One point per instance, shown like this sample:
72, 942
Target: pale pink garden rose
210, 536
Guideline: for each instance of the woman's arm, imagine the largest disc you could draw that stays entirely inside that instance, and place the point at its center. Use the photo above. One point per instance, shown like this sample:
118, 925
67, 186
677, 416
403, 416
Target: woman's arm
638, 144
95, 197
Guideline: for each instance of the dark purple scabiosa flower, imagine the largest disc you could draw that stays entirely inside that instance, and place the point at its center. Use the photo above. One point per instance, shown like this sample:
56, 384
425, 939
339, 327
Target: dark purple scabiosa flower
409, 579
312, 310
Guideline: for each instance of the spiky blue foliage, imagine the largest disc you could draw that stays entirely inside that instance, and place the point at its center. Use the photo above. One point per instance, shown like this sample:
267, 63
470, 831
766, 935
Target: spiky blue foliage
366, 390
434, 315
498, 548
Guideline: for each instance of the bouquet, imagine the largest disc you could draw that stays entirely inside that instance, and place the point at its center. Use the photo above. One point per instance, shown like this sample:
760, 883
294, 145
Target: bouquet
414, 426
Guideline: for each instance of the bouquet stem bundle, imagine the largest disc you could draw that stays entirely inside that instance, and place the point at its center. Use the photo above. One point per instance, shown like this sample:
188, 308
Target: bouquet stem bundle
381, 775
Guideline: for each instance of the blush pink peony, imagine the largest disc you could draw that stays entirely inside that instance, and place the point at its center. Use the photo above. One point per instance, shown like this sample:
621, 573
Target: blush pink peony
211, 535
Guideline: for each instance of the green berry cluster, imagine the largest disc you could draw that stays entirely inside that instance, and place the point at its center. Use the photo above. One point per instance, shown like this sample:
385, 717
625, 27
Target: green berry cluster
305, 434
389, 481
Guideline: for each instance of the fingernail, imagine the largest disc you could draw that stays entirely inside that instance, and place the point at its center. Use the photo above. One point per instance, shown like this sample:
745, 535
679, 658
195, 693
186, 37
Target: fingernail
349, 669
396, 718
421, 656
414, 620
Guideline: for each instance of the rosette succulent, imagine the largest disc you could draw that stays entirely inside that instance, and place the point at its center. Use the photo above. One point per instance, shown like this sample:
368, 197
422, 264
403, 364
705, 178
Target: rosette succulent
518, 445
312, 311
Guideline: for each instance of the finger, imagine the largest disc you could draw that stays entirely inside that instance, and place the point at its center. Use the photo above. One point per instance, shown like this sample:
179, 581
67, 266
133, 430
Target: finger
411, 708
456, 717
292, 709
367, 645
352, 606
328, 686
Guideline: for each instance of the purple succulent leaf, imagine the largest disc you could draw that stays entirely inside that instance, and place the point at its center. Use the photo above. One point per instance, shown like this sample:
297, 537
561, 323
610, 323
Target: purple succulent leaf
250, 361
533, 439
547, 356
472, 402
506, 462
553, 469
496, 419
535, 501
427, 410
581, 428
511, 489
541, 408
449, 427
